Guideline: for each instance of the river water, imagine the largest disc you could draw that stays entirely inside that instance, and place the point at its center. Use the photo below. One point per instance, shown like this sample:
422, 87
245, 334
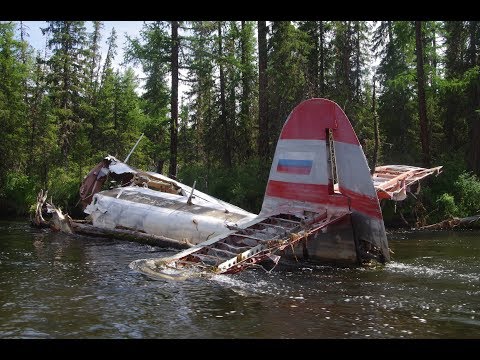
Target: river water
57, 286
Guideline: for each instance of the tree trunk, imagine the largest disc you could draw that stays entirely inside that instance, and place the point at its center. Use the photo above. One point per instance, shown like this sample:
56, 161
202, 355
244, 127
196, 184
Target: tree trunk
357, 60
390, 32
346, 54
322, 59
64, 123
159, 167
472, 49
315, 69
376, 132
246, 98
321, 35
475, 101
174, 102
244, 109
227, 156
422, 109
434, 44
263, 138
95, 48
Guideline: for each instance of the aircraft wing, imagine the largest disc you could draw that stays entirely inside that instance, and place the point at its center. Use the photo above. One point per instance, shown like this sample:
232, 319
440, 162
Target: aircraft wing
393, 182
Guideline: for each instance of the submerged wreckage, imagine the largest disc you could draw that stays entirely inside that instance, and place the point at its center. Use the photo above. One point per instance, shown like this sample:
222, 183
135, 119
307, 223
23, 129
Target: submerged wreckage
321, 204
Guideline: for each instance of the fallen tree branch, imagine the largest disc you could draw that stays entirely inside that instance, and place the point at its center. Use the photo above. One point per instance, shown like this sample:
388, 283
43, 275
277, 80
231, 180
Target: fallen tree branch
38, 219
466, 222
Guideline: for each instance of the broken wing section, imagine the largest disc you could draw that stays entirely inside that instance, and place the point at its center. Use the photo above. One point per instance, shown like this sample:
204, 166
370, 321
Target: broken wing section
262, 242
394, 182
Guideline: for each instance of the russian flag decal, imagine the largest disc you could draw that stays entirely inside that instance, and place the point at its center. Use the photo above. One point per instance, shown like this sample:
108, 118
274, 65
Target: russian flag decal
294, 166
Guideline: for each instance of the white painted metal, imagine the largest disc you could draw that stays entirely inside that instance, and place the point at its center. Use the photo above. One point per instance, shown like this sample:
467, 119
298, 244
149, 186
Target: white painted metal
311, 150
352, 169
172, 217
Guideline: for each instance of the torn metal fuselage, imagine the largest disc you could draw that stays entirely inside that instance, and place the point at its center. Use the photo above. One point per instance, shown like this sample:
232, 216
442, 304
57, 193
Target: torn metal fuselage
154, 204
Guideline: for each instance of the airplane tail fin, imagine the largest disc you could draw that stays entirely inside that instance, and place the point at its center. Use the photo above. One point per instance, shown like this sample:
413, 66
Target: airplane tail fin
316, 148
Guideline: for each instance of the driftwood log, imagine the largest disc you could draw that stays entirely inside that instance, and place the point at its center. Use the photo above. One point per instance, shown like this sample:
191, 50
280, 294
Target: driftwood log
37, 219
58, 222
466, 222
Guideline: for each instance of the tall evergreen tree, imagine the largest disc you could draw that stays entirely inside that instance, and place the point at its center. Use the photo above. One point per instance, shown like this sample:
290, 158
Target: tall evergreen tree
454, 104
174, 99
393, 42
248, 109
152, 50
263, 123
315, 38
94, 55
318, 56
287, 62
200, 67
67, 81
422, 110
13, 122
226, 151
474, 95
43, 129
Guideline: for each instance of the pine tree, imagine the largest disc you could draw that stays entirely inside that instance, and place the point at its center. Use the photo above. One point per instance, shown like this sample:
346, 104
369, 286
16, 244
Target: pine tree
474, 95
95, 57
287, 62
393, 41
103, 101
43, 129
13, 122
226, 148
67, 82
312, 30
263, 123
202, 85
248, 109
422, 110
153, 52
453, 101
174, 99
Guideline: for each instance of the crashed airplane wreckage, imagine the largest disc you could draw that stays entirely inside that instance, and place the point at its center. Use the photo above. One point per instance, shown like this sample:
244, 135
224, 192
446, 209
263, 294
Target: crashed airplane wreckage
305, 215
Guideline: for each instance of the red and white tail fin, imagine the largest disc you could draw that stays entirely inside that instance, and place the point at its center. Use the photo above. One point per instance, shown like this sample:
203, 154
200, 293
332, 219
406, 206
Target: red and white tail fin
302, 172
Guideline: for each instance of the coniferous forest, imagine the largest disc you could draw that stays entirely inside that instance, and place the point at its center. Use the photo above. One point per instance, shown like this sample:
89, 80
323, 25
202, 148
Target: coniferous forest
411, 86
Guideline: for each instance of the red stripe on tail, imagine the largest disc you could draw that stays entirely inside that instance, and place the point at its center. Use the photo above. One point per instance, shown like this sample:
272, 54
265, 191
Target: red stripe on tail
318, 194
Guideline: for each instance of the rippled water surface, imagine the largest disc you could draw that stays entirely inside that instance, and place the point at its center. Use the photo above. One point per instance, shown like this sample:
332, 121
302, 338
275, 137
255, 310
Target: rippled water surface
58, 286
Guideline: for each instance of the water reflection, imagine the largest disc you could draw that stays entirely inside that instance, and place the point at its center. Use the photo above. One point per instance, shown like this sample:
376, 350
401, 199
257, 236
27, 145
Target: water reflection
58, 286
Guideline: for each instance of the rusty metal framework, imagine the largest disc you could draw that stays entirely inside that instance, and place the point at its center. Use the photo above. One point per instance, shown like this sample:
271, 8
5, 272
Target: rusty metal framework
392, 182
259, 241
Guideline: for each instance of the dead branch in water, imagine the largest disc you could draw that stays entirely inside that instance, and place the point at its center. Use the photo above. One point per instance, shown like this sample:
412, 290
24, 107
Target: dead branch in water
466, 222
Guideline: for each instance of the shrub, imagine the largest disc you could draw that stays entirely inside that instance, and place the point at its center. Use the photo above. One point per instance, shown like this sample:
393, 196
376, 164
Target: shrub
467, 188
446, 206
63, 187
242, 185
19, 192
